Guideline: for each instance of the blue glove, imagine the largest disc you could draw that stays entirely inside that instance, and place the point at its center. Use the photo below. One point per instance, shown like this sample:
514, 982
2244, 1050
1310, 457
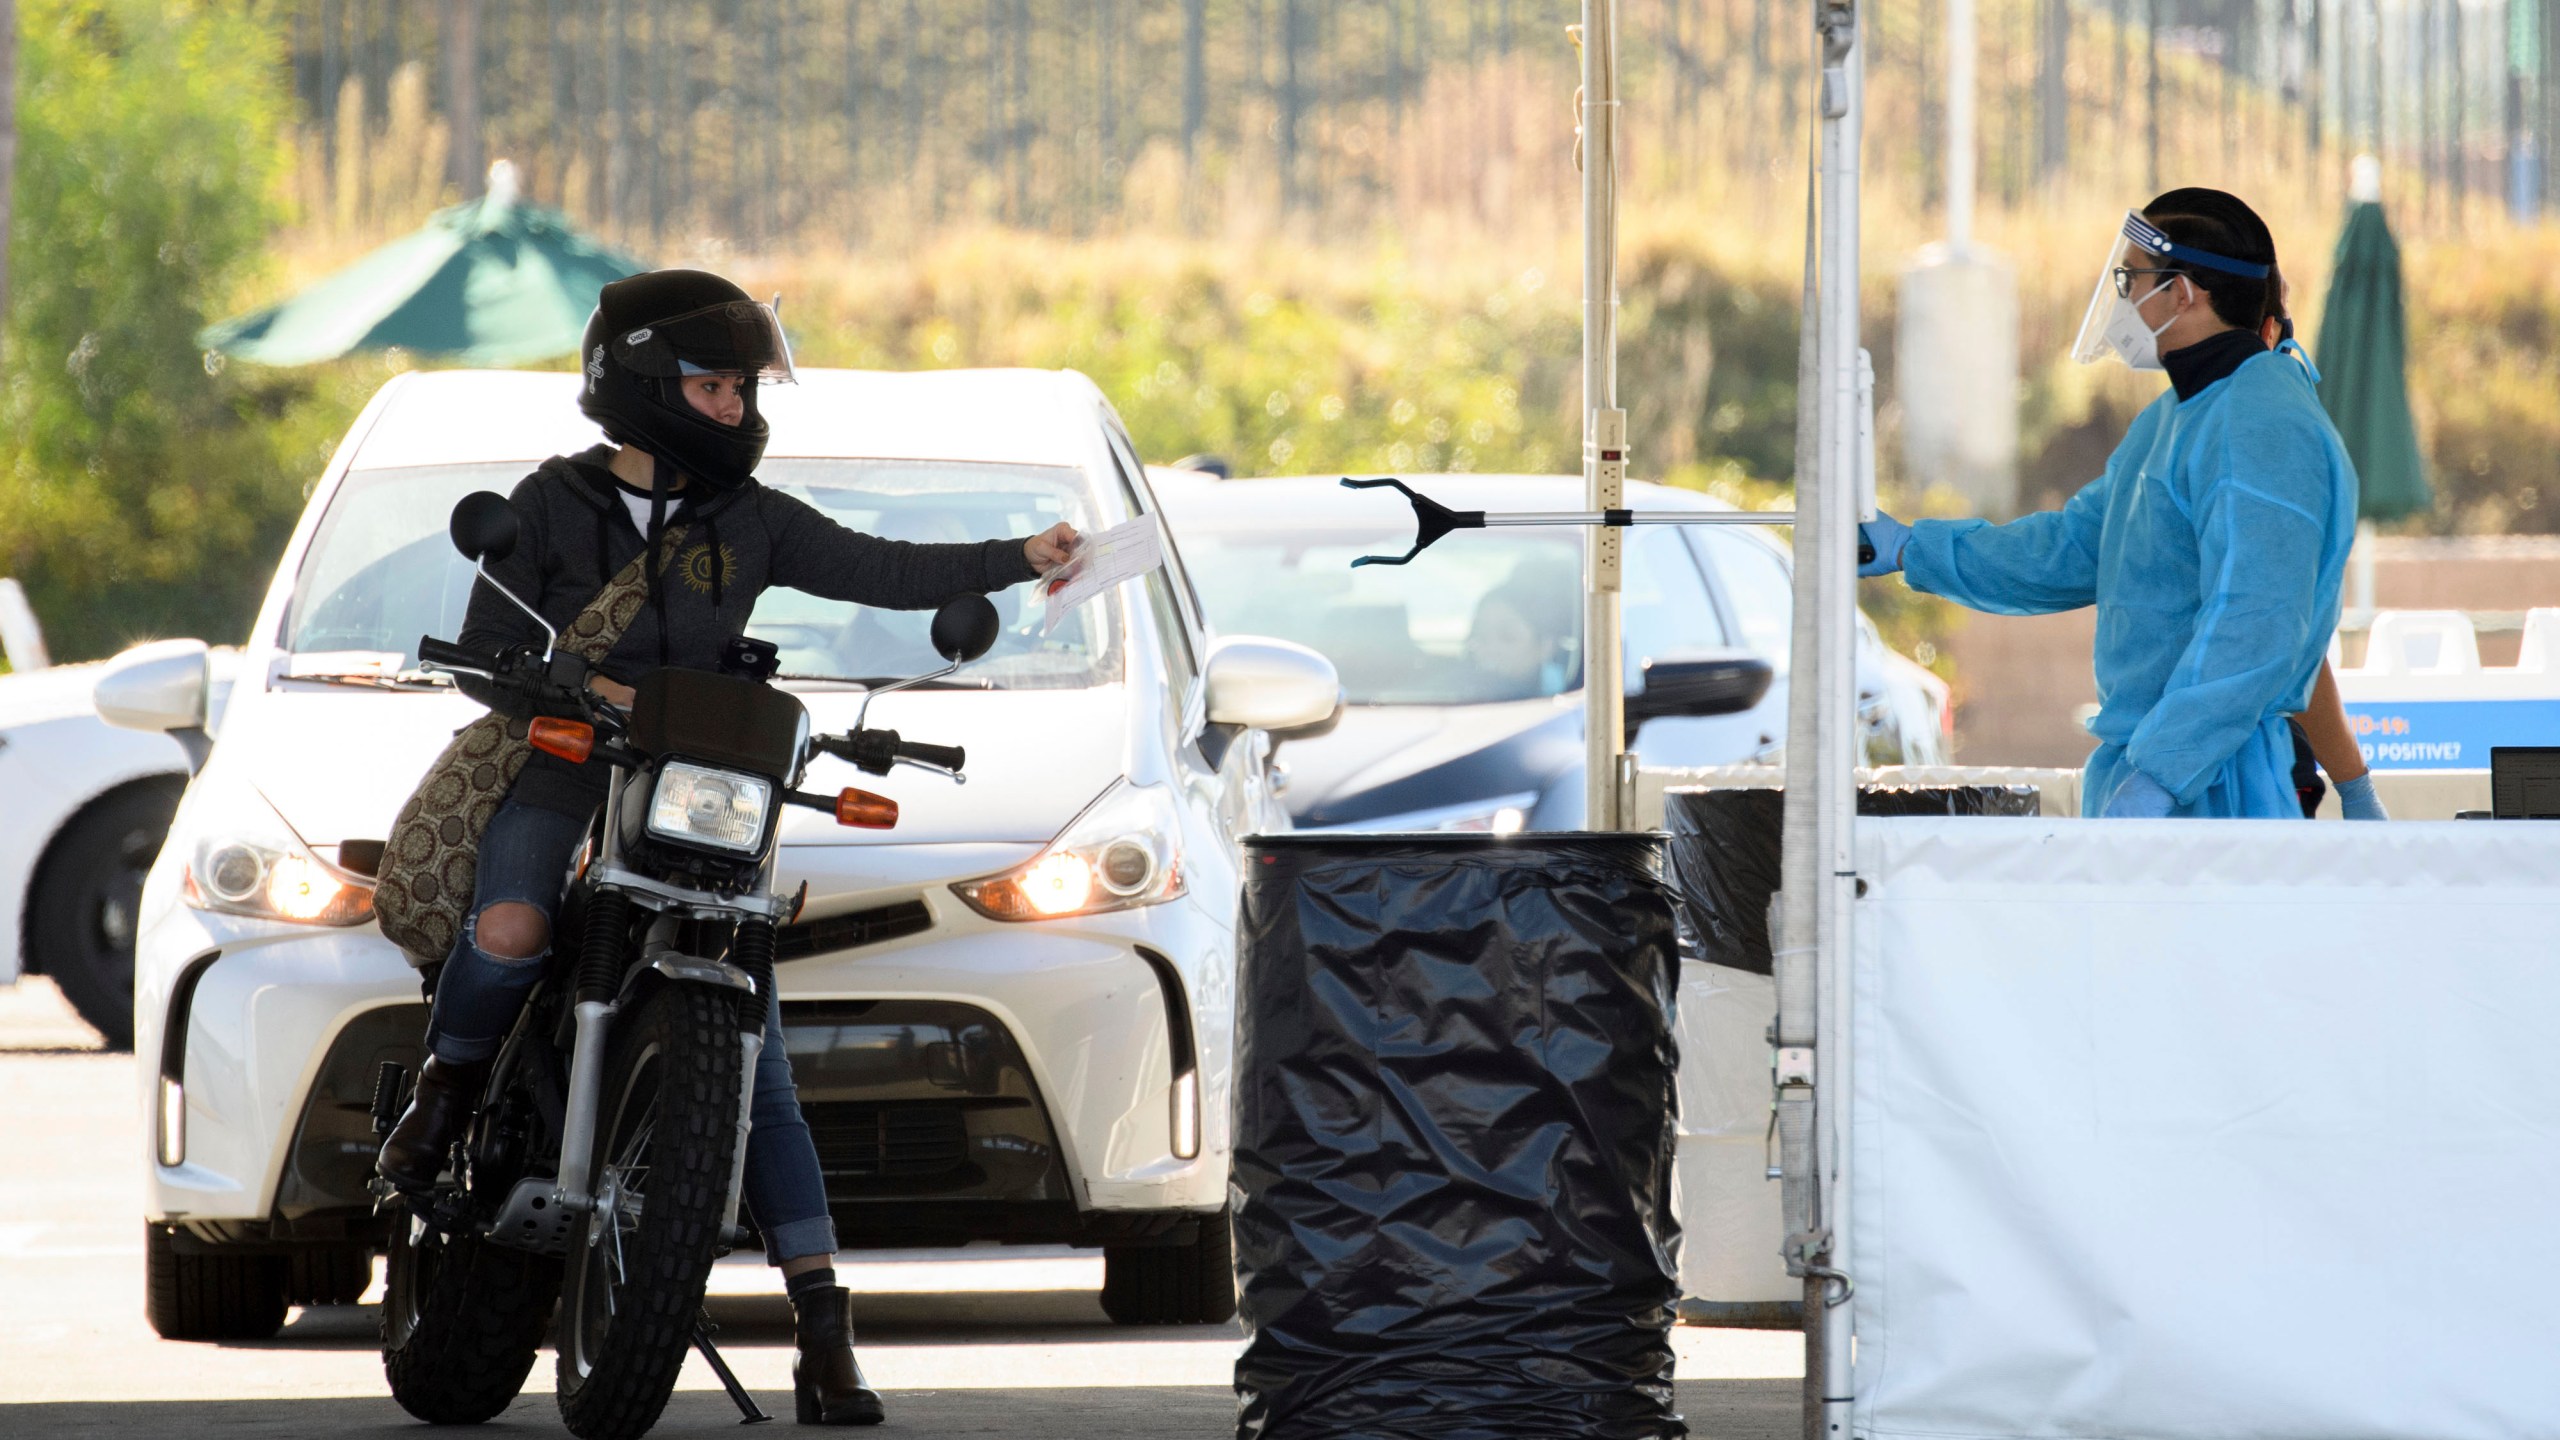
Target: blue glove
1887, 537
2139, 798
2357, 801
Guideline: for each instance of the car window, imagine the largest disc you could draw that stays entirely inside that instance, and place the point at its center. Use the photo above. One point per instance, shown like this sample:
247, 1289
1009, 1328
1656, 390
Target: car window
1181, 631
381, 571
1665, 607
1760, 588
940, 502
1496, 617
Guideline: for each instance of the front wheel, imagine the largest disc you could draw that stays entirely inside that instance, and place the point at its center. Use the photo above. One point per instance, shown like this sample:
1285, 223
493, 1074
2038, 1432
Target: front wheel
666, 1145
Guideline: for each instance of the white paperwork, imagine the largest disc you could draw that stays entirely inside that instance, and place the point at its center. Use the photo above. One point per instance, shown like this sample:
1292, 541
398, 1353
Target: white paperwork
1102, 560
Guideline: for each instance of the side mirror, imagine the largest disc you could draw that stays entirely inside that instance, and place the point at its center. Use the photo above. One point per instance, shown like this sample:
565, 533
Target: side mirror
165, 686
1284, 689
1698, 683
484, 527
965, 629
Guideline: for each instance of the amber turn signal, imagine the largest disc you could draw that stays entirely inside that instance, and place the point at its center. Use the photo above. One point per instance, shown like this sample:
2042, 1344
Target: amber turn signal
571, 740
866, 811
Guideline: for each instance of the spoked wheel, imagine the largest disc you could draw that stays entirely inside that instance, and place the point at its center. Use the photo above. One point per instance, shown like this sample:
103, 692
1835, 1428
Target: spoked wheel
666, 1142
461, 1321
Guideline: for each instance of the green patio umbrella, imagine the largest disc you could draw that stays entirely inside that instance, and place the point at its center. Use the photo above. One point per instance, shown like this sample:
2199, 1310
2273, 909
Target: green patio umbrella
491, 281
2363, 359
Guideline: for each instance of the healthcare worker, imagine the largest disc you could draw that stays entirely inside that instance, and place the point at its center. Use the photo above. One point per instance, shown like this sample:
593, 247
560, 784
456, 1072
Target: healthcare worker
2214, 545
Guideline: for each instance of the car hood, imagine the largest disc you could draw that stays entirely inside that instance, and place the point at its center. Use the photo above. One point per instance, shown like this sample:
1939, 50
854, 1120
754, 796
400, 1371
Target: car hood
338, 764
1388, 759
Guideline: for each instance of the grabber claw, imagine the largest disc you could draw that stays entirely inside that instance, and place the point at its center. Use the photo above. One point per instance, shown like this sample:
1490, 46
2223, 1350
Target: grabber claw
1431, 519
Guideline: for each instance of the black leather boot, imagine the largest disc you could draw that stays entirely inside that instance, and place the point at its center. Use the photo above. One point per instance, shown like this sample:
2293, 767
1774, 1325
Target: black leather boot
826, 1381
440, 1110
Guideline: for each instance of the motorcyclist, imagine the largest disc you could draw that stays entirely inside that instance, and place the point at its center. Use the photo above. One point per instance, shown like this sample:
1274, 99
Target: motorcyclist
672, 361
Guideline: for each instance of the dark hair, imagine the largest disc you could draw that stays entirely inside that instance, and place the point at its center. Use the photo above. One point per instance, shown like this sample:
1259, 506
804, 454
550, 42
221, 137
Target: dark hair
2220, 222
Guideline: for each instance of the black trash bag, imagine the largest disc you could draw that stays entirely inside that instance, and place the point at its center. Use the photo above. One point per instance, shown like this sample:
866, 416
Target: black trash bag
1726, 844
1453, 1141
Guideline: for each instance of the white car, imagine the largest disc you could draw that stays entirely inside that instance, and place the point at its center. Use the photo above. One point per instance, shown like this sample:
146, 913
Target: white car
87, 805
1435, 738
1061, 1079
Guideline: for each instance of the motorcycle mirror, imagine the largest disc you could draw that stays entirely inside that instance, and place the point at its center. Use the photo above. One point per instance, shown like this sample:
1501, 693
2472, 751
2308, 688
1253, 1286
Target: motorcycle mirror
484, 527
965, 629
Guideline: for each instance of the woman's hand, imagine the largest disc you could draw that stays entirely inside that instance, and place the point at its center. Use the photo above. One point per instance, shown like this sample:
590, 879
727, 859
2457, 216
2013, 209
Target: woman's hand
1051, 548
613, 690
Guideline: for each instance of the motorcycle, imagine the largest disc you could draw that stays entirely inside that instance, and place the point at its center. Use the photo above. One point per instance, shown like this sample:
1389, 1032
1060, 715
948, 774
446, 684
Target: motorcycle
604, 1169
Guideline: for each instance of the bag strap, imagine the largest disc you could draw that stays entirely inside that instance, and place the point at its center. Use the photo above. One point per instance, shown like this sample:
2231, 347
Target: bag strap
599, 626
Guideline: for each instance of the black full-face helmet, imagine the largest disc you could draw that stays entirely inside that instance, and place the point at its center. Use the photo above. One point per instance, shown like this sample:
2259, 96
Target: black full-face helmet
649, 331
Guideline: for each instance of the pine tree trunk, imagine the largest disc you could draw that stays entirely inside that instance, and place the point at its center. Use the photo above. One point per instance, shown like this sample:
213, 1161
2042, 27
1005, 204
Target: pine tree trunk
469, 170
8, 150
1195, 74
2053, 93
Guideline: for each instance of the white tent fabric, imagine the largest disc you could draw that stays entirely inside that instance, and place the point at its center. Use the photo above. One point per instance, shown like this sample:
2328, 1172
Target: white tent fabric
1729, 1222
2171, 1129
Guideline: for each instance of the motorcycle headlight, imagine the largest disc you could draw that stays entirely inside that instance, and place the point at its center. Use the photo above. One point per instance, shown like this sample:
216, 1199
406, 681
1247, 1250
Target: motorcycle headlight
249, 862
698, 805
1122, 852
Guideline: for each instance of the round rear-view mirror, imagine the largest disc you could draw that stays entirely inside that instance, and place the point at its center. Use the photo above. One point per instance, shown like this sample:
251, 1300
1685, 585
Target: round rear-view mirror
484, 527
965, 629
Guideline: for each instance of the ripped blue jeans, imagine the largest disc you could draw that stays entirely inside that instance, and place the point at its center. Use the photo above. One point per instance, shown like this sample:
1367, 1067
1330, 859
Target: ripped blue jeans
524, 858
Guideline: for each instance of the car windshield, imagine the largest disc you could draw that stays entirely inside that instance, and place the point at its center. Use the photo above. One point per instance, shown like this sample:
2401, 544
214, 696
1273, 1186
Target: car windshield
381, 571
1497, 618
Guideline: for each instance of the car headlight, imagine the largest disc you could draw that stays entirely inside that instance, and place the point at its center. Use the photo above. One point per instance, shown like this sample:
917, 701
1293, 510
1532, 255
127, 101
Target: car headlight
1122, 852
698, 805
249, 862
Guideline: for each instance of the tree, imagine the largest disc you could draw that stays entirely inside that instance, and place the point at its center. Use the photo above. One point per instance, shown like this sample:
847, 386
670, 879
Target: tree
139, 493
8, 149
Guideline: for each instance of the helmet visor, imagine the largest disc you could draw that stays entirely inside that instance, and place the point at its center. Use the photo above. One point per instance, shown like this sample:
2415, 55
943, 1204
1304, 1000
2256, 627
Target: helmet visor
739, 337
2132, 270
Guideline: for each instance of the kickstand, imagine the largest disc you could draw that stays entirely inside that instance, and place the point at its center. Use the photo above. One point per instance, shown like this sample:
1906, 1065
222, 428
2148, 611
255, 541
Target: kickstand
752, 1413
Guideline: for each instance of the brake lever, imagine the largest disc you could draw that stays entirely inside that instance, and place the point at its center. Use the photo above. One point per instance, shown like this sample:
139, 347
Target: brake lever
954, 776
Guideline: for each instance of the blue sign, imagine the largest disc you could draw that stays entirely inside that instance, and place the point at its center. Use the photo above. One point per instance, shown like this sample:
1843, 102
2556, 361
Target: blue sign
2448, 734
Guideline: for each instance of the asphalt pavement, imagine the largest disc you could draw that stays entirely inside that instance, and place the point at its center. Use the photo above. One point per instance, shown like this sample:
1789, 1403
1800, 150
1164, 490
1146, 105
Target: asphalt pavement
980, 1342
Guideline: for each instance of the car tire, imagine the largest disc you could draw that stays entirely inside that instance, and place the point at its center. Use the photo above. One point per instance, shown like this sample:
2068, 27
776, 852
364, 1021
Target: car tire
328, 1275
210, 1297
1192, 1284
86, 903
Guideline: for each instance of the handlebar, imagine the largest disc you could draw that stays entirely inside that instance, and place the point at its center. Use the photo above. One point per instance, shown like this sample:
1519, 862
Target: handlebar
947, 757
877, 752
445, 655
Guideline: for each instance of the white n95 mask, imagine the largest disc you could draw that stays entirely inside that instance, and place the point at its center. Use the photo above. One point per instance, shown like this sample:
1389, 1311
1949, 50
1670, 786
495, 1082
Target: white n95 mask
2136, 344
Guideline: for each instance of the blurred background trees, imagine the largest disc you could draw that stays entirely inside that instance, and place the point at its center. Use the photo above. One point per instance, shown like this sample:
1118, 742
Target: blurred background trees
140, 493
1304, 234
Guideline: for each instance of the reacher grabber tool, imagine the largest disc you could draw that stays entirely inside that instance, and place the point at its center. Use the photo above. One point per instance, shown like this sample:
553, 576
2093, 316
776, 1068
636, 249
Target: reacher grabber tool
1432, 520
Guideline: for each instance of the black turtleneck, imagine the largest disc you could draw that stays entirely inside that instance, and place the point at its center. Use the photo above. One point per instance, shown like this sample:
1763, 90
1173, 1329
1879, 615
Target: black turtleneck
2210, 359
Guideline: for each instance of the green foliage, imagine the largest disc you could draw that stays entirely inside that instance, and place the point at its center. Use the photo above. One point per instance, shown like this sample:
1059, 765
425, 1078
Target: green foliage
140, 494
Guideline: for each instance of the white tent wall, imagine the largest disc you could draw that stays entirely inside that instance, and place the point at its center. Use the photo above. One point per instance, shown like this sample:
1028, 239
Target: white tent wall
2174, 1129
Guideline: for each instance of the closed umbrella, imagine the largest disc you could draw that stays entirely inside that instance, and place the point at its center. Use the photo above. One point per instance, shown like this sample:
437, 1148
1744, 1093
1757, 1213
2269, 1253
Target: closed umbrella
2363, 358
492, 281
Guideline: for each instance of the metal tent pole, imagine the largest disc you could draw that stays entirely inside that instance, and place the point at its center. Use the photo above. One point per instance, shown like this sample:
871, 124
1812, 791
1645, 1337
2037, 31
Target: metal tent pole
1812, 908
1604, 431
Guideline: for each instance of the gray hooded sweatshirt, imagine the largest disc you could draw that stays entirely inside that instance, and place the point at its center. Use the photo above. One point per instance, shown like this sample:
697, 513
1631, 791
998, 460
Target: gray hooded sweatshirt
577, 535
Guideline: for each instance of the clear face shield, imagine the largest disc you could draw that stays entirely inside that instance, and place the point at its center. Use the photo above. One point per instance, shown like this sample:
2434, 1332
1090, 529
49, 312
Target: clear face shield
2143, 261
2136, 266
740, 337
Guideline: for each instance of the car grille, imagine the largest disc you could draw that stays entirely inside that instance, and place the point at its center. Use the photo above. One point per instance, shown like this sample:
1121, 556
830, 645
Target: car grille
852, 931
860, 1140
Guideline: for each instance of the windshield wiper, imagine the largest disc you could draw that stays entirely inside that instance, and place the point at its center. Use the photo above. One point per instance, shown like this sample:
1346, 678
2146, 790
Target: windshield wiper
374, 680
874, 682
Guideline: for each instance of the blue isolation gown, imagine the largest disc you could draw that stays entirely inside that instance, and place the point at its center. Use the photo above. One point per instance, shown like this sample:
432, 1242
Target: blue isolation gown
2214, 547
